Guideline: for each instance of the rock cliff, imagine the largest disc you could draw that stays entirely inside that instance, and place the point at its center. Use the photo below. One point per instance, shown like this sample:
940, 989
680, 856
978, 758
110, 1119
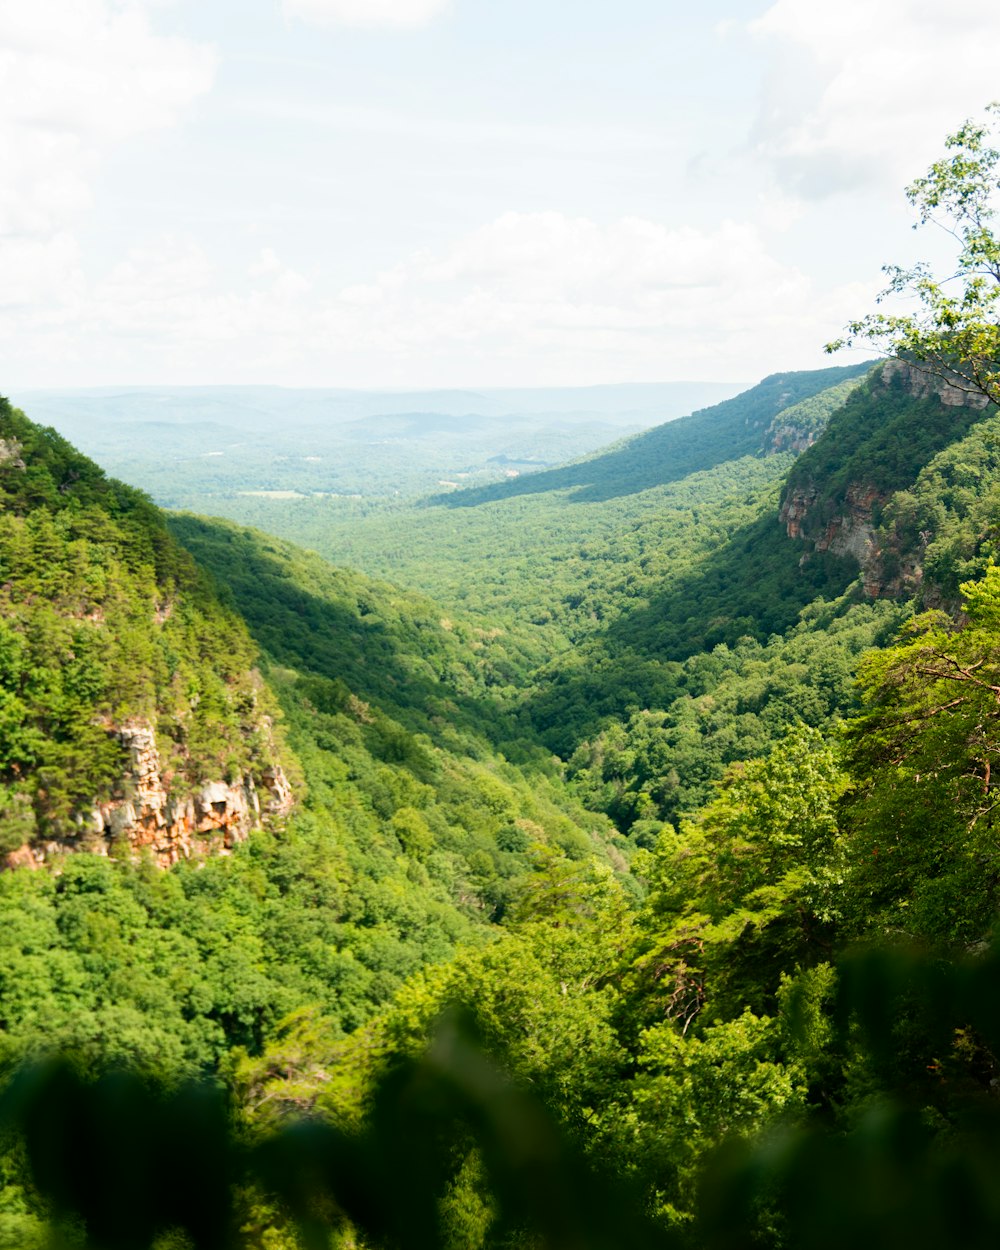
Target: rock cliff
146, 815
132, 712
875, 445
851, 531
781, 437
924, 383
798, 427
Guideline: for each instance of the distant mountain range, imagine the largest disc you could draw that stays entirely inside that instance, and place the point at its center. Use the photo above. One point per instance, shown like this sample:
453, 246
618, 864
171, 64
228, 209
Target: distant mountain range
256, 407
192, 447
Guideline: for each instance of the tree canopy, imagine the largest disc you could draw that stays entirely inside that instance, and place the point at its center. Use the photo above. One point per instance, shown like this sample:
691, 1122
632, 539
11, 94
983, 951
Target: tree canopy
955, 331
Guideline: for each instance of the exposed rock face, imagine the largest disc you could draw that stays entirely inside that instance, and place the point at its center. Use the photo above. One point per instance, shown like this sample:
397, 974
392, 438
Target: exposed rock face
852, 532
907, 581
10, 453
789, 438
149, 818
280, 798
795, 509
846, 526
922, 384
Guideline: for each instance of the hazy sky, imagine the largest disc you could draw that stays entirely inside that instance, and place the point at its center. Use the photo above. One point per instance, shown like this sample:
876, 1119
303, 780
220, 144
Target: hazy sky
461, 192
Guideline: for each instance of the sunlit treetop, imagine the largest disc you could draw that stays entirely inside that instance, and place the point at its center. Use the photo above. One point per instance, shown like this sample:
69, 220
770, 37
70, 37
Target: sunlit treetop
955, 330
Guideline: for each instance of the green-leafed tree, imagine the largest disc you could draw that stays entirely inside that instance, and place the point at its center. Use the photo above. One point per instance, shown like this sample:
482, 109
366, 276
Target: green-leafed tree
748, 889
926, 758
955, 332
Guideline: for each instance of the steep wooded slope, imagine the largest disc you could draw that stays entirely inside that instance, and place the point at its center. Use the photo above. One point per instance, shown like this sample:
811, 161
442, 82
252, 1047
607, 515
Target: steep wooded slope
900, 477
139, 718
130, 707
906, 483
736, 427
651, 1027
713, 1008
529, 543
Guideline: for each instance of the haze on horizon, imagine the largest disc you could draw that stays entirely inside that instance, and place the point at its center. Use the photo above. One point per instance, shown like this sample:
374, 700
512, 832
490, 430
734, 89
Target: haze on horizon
455, 193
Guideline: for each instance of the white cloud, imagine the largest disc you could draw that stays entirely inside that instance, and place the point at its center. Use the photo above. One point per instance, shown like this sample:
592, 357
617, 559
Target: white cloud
526, 298
35, 272
79, 76
863, 93
569, 297
95, 69
401, 14
454, 129
286, 283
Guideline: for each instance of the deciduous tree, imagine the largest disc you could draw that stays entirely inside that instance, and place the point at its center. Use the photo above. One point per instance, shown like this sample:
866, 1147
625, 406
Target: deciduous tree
955, 330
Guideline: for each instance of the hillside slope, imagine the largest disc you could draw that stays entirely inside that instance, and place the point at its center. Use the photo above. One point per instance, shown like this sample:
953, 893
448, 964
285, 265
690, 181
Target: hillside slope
734, 428
243, 451
905, 483
143, 721
130, 707
422, 867
901, 475
551, 558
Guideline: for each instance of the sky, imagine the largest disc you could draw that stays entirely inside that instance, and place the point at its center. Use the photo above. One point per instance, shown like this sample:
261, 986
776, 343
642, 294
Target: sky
462, 193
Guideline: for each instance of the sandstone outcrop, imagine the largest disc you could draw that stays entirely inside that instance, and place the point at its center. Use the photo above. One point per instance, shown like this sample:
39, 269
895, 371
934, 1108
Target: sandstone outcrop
795, 509
922, 383
10, 453
847, 522
148, 817
789, 438
852, 531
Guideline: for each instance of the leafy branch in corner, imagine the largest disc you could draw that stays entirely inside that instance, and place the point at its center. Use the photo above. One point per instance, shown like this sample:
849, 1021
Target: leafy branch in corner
955, 332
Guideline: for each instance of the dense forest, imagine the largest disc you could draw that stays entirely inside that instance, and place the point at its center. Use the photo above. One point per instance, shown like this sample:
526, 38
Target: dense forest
634, 859
620, 871
247, 451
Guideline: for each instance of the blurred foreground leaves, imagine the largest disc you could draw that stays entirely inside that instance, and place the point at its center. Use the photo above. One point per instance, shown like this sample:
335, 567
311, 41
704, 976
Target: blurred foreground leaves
123, 1163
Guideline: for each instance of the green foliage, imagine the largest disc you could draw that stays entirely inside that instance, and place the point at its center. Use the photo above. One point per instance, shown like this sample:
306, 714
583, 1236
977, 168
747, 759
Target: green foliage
662, 637
693, 1093
726, 431
805, 421
879, 441
105, 621
393, 856
447, 1120
17, 819
955, 332
916, 1164
354, 641
171, 971
384, 1182
258, 450
925, 751
547, 560
948, 520
586, 600
532, 575
748, 890
729, 704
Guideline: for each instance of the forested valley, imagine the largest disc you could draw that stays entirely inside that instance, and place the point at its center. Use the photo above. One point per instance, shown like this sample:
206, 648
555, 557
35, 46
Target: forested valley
605, 856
